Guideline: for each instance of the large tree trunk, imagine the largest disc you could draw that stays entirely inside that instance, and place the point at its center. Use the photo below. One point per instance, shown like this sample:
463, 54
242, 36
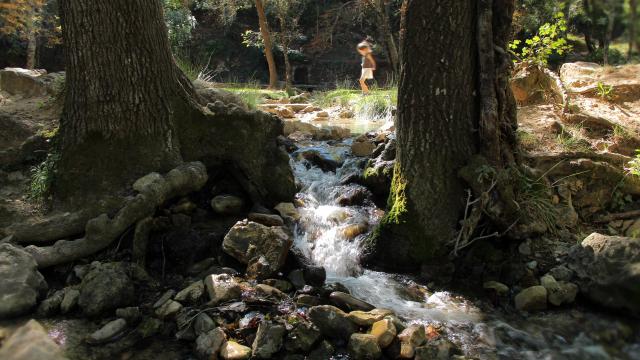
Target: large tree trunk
268, 47
453, 103
32, 38
129, 110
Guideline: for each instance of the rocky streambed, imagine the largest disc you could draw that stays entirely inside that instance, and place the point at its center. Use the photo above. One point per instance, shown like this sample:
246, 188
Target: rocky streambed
228, 279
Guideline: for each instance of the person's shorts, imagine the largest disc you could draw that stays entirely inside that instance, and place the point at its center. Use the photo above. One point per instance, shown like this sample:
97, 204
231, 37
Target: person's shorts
367, 74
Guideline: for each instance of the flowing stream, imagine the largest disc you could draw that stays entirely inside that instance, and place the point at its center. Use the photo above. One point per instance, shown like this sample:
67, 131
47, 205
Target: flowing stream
559, 334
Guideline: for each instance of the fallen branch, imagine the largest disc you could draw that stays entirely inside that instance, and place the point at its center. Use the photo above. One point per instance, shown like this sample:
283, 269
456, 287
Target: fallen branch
100, 232
617, 216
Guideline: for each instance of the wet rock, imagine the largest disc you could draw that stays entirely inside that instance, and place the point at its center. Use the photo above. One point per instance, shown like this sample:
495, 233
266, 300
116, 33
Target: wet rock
302, 338
320, 158
285, 113
266, 290
30, 342
350, 232
105, 287
70, 300
169, 309
227, 204
363, 148
308, 300
268, 340
21, 285
131, 314
368, 318
377, 177
384, 331
314, 275
608, 270
389, 152
533, 298
559, 292
348, 302
288, 211
411, 338
231, 350
440, 349
347, 114
282, 285
166, 296
266, 219
332, 322
222, 288
364, 347
108, 332
561, 273
201, 266
191, 294
208, 344
324, 351
498, 288
51, 305
203, 324
264, 249
353, 196
297, 278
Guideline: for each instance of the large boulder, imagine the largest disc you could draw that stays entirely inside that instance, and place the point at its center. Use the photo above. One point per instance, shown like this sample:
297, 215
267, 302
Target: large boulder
608, 270
332, 322
268, 340
209, 94
30, 342
534, 84
107, 286
21, 285
264, 249
30, 83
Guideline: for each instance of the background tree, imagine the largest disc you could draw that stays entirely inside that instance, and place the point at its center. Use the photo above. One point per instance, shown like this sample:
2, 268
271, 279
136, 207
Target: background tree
633, 37
439, 129
288, 14
27, 21
382, 10
268, 47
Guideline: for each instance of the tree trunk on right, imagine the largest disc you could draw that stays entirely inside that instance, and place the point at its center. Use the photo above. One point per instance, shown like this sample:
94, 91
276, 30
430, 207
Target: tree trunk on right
453, 103
268, 46
633, 40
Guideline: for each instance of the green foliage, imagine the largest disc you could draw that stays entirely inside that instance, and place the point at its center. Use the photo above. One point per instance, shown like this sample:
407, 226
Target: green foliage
42, 177
548, 41
180, 22
252, 38
571, 139
615, 56
534, 199
605, 91
633, 167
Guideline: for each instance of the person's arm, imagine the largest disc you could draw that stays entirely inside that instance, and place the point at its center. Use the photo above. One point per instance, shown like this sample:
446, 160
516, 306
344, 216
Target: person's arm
375, 65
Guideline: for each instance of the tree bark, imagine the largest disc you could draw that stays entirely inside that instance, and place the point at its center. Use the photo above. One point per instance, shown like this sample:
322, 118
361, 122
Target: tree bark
453, 103
130, 111
268, 46
32, 38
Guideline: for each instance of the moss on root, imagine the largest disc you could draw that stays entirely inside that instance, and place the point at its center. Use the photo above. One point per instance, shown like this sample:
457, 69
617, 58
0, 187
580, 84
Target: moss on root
399, 233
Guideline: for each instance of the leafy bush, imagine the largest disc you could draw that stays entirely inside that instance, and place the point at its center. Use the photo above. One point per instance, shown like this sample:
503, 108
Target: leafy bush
179, 22
548, 41
615, 56
42, 177
633, 167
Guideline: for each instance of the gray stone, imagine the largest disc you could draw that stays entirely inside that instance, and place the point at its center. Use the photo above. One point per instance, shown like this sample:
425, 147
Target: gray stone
266, 290
297, 278
308, 300
282, 285
363, 148
533, 298
302, 338
348, 302
268, 340
227, 204
364, 347
21, 285
222, 288
440, 349
608, 270
70, 300
231, 350
266, 219
208, 344
30, 342
324, 351
166, 296
561, 273
499, 288
131, 314
168, 309
411, 338
30, 83
51, 305
108, 332
191, 294
264, 249
106, 287
203, 324
332, 322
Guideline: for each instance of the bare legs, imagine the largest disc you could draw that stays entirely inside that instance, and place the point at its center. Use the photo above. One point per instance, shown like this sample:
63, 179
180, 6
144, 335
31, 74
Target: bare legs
363, 85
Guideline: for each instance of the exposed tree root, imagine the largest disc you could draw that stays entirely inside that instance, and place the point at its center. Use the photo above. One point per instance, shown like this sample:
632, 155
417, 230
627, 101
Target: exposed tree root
58, 226
153, 190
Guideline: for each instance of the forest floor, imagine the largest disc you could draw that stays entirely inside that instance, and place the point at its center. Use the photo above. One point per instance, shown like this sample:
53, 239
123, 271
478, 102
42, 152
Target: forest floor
592, 114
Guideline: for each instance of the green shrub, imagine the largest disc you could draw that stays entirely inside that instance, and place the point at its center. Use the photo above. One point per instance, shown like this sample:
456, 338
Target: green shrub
615, 56
548, 41
42, 177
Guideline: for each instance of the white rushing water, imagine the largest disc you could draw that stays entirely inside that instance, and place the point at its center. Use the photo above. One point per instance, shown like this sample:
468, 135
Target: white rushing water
320, 235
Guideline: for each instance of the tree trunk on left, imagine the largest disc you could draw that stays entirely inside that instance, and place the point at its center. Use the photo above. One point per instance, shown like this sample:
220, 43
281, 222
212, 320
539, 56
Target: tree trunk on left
130, 111
32, 39
268, 46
